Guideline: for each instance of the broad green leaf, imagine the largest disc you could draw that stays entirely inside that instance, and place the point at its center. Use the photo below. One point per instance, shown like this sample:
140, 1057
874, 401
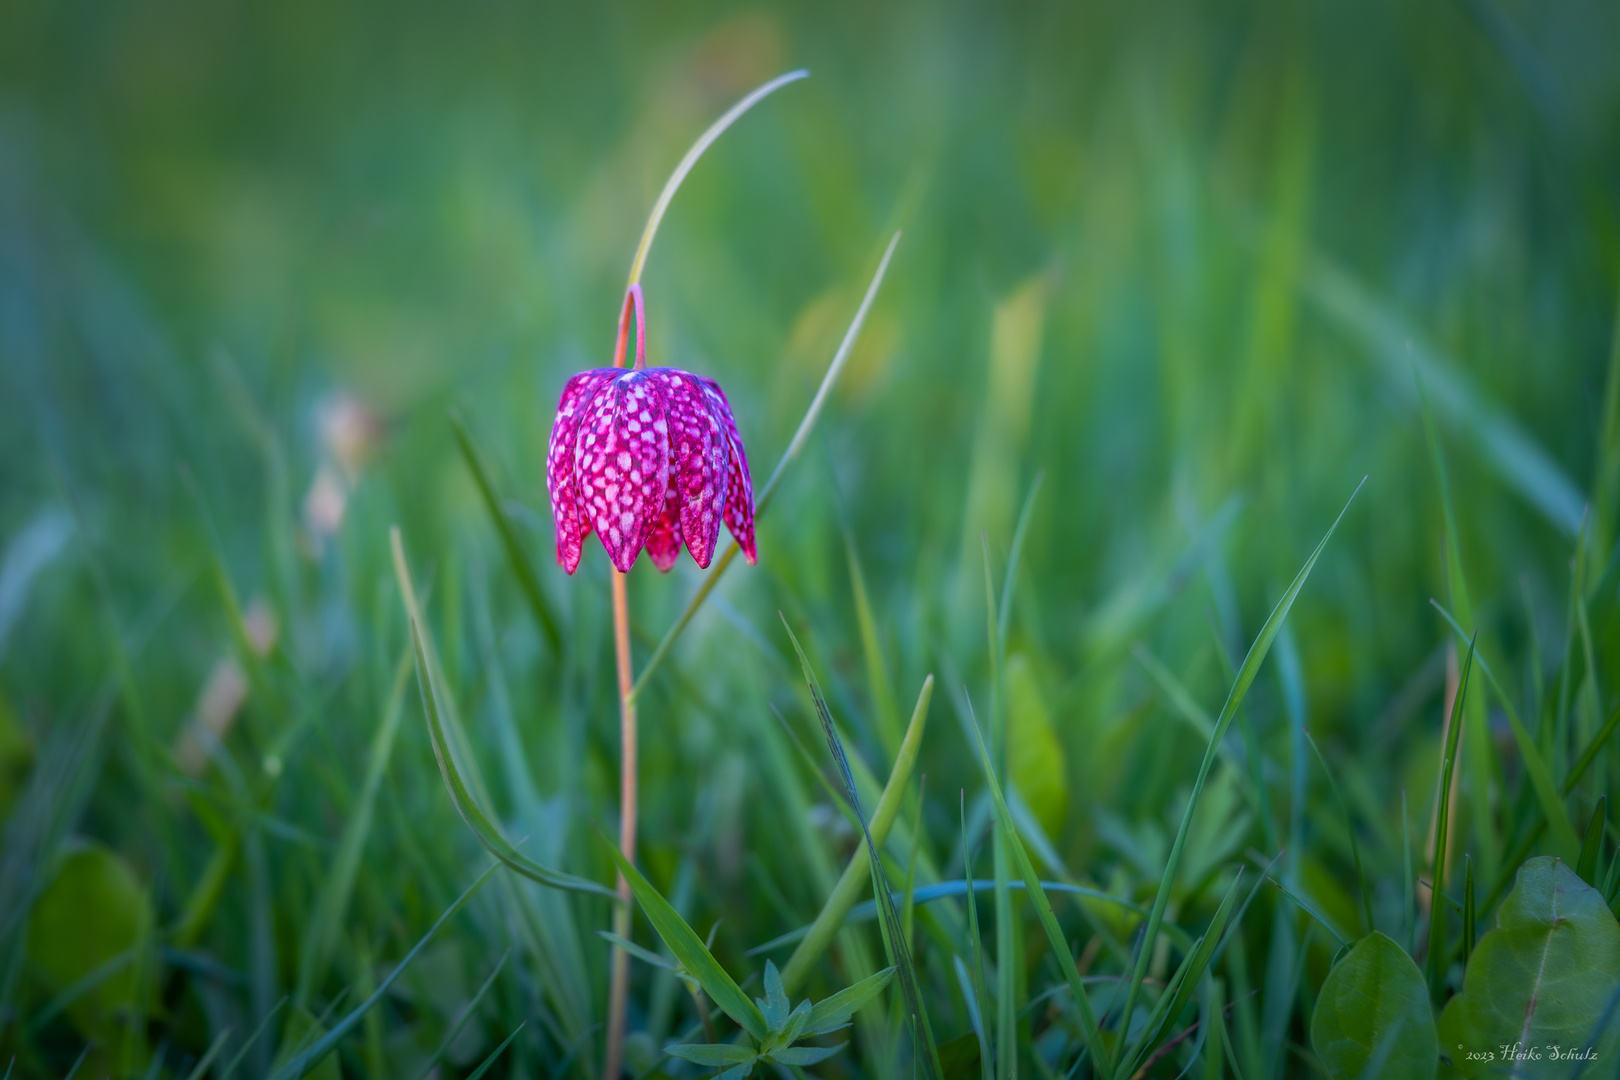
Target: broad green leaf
689, 949
774, 1005
714, 1054
832, 1013
1374, 1013
88, 930
794, 1028
1545, 974
1449, 1029
804, 1055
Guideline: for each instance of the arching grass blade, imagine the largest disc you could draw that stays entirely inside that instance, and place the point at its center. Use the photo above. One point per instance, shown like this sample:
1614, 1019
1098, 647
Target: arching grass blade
516, 556
806, 426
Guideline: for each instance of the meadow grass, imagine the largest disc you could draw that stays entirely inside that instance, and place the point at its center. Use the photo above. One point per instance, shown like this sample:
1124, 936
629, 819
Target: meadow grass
1072, 722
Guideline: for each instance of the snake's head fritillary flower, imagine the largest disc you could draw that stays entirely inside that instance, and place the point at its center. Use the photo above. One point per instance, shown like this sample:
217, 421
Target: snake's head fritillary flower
647, 458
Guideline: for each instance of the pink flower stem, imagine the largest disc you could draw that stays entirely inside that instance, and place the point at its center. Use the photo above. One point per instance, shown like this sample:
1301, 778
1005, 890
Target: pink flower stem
619, 988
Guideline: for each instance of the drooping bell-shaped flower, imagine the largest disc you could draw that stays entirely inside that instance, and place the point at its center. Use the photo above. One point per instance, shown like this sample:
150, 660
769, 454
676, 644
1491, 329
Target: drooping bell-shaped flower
647, 458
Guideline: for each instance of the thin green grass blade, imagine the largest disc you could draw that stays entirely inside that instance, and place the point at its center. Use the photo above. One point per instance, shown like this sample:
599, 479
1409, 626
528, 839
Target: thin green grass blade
204, 897
689, 949
1313, 909
1192, 972
82, 986
516, 556
1589, 755
482, 827
306, 1060
78, 1062
1592, 843
1090, 1032
1189, 710
834, 911
466, 1014
1470, 916
333, 903
1541, 781
1448, 764
1511, 451
252, 1040
981, 1000
925, 1051
1215, 1037
907, 907
199, 1070
1349, 831
867, 910
1009, 954
1246, 675
478, 1073
1014, 554
646, 956
1480, 763
1606, 483
1406, 878
877, 673
796, 444
1593, 691
704, 141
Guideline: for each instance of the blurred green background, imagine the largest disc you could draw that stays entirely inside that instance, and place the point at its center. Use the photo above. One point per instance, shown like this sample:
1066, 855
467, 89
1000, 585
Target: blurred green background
1189, 263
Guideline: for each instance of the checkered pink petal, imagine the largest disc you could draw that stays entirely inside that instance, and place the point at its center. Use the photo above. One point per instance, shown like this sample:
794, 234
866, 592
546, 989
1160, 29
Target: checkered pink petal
647, 459
664, 542
621, 460
739, 507
572, 525
697, 450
